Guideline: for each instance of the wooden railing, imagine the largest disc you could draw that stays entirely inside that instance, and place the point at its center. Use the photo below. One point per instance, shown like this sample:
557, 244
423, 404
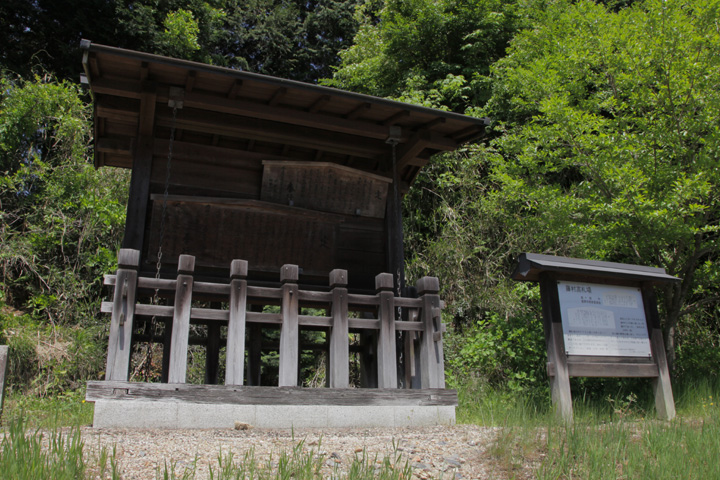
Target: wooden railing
234, 298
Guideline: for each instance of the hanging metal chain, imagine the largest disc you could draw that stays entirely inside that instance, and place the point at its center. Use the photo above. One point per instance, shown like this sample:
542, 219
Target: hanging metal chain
158, 264
165, 193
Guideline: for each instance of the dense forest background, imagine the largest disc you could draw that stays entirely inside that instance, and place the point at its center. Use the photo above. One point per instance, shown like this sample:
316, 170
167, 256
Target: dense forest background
604, 144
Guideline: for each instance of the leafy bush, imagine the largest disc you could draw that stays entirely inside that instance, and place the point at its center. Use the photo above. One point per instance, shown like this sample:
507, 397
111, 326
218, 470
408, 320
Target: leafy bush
49, 360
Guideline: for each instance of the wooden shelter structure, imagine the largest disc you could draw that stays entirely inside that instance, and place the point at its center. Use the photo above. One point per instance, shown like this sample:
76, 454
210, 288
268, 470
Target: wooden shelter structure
230, 166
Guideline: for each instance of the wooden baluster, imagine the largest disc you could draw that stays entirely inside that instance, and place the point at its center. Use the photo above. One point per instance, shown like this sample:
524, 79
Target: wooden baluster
181, 320
386, 350
212, 353
339, 364
289, 334
123, 313
432, 364
235, 351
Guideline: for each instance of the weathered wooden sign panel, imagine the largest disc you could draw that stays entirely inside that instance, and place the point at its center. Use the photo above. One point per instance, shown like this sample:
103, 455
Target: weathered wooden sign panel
325, 187
606, 320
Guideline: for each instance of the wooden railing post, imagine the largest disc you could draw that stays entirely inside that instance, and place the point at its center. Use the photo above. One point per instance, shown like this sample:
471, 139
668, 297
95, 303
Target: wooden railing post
339, 364
432, 364
289, 334
386, 350
123, 314
235, 351
181, 320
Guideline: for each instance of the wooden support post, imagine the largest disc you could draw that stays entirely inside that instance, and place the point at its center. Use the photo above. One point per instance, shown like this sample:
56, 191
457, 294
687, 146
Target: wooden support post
664, 402
123, 314
181, 320
290, 332
339, 362
212, 353
235, 351
167, 343
394, 230
141, 172
3, 372
552, 320
368, 357
254, 366
432, 363
386, 349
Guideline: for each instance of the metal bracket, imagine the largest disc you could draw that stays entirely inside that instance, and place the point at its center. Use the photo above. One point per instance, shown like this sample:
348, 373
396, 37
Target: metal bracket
176, 97
394, 135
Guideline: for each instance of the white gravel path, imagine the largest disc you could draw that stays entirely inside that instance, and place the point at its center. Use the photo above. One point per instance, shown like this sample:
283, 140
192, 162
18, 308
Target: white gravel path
457, 452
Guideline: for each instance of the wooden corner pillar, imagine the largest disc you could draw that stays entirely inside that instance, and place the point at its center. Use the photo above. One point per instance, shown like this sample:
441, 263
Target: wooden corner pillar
339, 364
552, 322
664, 401
235, 351
432, 363
290, 332
386, 346
141, 171
123, 314
181, 320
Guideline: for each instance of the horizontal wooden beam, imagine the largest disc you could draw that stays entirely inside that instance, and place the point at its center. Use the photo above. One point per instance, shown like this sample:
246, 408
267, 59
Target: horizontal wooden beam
286, 115
250, 128
596, 369
241, 395
272, 112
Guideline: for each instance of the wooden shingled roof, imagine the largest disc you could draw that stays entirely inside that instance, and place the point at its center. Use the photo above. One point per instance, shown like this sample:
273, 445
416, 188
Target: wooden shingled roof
237, 115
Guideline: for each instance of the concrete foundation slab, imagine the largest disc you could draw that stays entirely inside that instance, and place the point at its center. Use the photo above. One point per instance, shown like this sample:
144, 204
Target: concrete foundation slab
173, 415
145, 405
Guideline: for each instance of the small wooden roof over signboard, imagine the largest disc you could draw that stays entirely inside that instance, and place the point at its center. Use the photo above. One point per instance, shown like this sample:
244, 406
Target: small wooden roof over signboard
530, 265
242, 116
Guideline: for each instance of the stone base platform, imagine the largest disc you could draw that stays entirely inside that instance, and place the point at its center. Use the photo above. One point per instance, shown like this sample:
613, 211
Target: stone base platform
162, 405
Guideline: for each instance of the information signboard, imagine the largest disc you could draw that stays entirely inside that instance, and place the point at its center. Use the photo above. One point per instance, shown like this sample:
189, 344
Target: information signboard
603, 320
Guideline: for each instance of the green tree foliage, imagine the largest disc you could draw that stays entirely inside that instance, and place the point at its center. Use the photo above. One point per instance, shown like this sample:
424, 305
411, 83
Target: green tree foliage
60, 226
433, 53
605, 146
610, 140
288, 38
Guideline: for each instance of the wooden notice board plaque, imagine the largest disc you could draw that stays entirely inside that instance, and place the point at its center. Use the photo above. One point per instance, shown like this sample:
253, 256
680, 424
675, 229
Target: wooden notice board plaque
606, 320
600, 320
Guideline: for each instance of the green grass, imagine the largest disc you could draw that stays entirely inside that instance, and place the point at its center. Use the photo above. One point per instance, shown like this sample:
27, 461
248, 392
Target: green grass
67, 410
614, 438
57, 455
296, 464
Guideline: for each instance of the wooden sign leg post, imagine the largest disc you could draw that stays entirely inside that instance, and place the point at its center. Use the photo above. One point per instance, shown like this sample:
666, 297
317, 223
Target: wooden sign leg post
3, 371
664, 402
557, 359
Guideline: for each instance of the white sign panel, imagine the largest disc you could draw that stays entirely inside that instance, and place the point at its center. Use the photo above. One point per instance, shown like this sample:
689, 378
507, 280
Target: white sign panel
605, 320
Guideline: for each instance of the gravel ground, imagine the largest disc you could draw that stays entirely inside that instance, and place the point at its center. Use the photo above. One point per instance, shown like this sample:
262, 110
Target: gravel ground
457, 452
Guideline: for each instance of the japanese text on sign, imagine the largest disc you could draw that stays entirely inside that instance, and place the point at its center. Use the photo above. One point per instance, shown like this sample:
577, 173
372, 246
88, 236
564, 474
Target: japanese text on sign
606, 320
